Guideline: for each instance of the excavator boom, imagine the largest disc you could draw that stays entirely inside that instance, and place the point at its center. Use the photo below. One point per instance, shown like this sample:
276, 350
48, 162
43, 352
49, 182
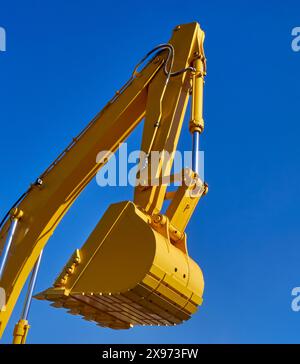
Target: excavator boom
134, 269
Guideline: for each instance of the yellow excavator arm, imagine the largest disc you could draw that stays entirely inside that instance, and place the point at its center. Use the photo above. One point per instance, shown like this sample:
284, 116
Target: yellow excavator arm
134, 269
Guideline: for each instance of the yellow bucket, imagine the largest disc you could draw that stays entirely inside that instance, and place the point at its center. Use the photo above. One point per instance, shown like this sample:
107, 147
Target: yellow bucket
129, 273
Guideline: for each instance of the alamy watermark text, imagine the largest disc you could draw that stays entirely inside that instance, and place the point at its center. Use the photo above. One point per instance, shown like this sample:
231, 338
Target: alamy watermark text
2, 39
296, 39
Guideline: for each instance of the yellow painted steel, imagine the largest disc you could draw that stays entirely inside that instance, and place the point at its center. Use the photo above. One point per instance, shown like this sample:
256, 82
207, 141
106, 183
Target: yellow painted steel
20, 332
134, 269
129, 273
197, 122
185, 200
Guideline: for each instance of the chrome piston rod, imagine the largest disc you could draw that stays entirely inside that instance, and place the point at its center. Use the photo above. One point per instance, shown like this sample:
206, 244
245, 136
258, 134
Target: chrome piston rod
8, 242
22, 326
195, 152
30, 289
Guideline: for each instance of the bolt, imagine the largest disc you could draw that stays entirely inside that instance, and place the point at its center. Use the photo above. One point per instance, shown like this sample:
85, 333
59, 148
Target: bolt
16, 213
156, 60
205, 188
38, 182
157, 218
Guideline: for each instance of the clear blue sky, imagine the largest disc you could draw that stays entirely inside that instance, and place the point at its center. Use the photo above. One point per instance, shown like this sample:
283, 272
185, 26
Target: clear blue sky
64, 60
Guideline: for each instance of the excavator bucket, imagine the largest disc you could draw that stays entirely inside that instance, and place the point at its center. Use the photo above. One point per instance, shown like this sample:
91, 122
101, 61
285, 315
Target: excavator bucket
128, 273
